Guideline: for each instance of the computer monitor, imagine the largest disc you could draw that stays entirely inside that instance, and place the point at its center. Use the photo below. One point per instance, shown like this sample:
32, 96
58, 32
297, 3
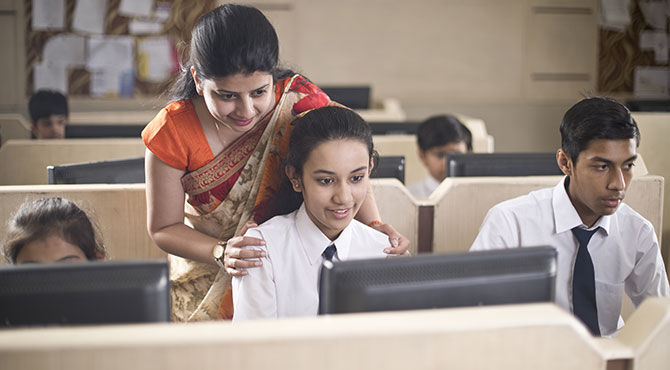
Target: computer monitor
394, 128
507, 276
122, 171
73, 131
354, 97
390, 166
84, 293
502, 164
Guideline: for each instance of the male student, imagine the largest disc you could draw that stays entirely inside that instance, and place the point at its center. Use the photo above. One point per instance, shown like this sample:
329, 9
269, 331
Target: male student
436, 137
49, 114
598, 150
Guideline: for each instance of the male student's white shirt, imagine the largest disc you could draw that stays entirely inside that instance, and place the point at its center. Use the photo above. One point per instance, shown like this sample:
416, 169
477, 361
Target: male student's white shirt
288, 282
624, 250
423, 189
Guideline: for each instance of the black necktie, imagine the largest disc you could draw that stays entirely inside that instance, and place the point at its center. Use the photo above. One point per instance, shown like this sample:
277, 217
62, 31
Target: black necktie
329, 252
584, 283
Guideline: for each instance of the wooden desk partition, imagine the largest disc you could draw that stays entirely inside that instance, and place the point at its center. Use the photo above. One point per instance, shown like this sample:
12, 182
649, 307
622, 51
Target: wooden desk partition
534, 336
119, 211
24, 162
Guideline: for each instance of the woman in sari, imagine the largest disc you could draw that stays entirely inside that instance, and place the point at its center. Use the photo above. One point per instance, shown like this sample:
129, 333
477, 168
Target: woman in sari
221, 142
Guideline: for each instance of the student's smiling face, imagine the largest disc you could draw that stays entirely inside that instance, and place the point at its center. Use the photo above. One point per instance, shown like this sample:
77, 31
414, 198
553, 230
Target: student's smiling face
334, 183
600, 178
50, 249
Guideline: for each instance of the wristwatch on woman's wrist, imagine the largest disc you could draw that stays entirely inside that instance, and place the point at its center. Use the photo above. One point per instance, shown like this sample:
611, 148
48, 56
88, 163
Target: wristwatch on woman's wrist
217, 252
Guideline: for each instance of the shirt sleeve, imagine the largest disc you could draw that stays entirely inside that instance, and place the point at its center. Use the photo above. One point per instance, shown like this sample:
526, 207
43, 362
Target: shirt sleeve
496, 232
162, 138
649, 278
254, 295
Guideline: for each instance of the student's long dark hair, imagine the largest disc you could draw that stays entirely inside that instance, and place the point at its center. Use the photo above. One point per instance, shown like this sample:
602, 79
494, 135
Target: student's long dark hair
596, 118
225, 41
52, 216
314, 128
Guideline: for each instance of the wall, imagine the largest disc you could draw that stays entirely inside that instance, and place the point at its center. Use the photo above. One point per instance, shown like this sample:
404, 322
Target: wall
518, 64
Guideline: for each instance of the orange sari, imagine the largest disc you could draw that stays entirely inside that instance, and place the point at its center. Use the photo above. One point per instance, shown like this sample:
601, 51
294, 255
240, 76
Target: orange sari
230, 189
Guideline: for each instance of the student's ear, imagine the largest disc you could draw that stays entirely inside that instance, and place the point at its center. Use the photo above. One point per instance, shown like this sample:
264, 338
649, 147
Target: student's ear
293, 178
372, 165
564, 162
196, 80
422, 155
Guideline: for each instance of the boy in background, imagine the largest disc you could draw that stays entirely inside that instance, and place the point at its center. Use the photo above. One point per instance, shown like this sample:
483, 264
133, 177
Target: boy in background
436, 137
49, 114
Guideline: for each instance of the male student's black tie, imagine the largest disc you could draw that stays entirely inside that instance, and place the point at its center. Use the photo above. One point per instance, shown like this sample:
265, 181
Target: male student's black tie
329, 252
584, 283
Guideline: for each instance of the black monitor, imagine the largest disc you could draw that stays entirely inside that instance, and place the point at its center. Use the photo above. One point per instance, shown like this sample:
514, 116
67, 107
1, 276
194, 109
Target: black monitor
102, 131
354, 97
84, 293
390, 166
648, 105
502, 164
507, 276
121, 171
394, 128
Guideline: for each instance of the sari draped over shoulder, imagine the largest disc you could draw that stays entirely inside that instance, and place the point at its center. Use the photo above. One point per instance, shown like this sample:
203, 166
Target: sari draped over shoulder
234, 187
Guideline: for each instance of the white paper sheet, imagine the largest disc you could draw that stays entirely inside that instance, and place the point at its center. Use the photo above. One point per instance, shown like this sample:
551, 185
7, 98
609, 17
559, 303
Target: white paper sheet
112, 82
110, 51
651, 82
162, 11
136, 8
142, 27
654, 13
656, 41
65, 50
50, 76
614, 14
155, 60
89, 16
48, 14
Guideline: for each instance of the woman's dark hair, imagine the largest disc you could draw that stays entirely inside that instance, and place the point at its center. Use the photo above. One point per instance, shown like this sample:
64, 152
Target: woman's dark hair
442, 130
228, 40
314, 128
596, 118
52, 216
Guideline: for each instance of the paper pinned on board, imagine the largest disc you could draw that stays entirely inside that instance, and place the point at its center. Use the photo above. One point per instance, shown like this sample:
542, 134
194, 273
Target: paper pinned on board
615, 14
162, 11
136, 8
110, 51
89, 16
142, 27
155, 59
50, 76
112, 82
656, 41
651, 82
655, 13
65, 49
48, 15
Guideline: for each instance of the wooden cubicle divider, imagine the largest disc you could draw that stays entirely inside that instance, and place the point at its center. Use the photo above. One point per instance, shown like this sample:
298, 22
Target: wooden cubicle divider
118, 210
24, 162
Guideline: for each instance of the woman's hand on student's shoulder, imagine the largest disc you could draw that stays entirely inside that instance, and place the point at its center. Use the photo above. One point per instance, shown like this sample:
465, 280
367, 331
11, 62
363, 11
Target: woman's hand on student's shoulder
238, 258
399, 243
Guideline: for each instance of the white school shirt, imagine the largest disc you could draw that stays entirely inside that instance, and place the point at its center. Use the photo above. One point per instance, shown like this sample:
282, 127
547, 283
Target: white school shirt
624, 250
423, 189
288, 282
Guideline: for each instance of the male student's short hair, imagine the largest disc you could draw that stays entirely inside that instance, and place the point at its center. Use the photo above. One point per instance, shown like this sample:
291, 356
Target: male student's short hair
442, 130
596, 118
44, 103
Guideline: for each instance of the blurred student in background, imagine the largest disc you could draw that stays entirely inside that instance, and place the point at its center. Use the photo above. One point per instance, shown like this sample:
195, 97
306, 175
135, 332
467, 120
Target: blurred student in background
52, 230
436, 137
49, 114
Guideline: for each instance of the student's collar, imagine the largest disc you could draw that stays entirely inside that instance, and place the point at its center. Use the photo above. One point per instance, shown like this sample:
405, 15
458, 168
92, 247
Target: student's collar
433, 182
565, 215
315, 242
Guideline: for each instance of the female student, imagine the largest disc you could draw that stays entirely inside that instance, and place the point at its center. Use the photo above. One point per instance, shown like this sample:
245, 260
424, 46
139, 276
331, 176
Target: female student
52, 230
221, 141
327, 178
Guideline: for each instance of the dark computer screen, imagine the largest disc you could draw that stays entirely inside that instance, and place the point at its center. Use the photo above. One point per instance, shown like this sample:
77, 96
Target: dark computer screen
518, 275
102, 131
394, 128
354, 97
390, 166
502, 164
122, 171
84, 293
